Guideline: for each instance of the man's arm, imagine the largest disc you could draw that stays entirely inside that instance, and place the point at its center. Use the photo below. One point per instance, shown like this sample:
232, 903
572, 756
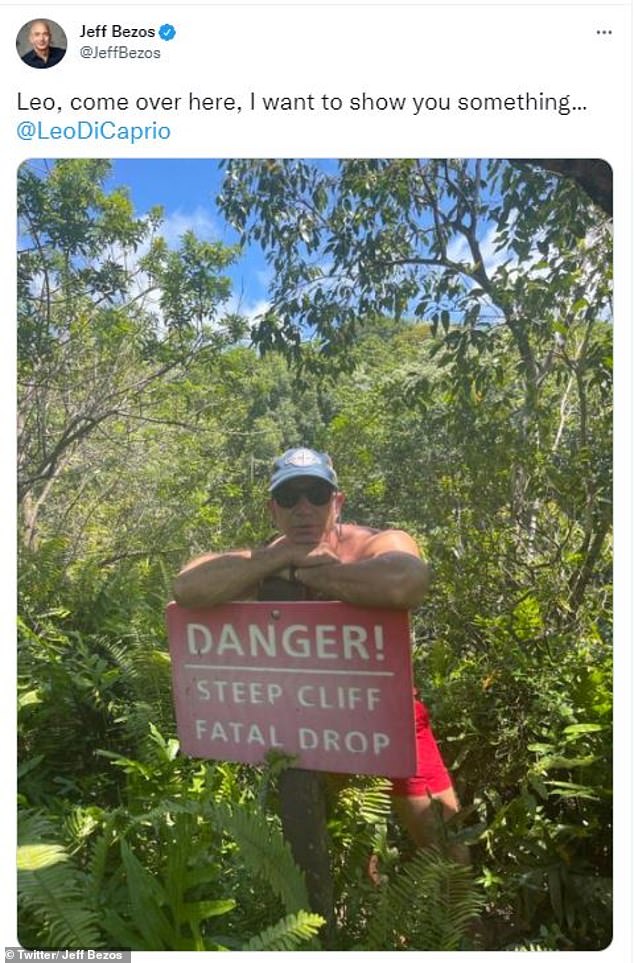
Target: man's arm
234, 576
388, 574
227, 577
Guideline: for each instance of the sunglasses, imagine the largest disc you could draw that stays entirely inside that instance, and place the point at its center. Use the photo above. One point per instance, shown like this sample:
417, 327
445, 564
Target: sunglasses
317, 494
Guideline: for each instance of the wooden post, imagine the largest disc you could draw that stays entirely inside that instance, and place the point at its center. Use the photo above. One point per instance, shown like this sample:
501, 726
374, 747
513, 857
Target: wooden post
303, 812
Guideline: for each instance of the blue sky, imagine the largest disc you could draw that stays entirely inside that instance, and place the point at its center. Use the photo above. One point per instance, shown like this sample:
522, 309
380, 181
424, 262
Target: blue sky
186, 189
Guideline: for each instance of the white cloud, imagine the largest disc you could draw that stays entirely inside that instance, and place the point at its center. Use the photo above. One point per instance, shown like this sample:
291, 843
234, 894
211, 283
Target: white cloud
251, 310
458, 250
200, 221
264, 276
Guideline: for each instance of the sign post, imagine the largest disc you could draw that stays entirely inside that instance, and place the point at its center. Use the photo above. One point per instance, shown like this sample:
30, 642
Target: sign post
327, 683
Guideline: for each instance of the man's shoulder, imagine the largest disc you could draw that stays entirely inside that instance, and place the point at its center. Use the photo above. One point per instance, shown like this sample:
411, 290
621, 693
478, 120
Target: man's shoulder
357, 534
364, 541
55, 54
364, 533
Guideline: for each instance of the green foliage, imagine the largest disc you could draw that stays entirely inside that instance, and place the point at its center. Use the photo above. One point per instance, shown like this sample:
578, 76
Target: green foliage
288, 933
357, 828
178, 927
435, 918
264, 850
95, 359
50, 892
469, 303
154, 877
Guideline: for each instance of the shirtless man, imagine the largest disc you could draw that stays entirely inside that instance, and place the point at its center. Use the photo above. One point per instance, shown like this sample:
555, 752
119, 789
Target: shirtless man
330, 560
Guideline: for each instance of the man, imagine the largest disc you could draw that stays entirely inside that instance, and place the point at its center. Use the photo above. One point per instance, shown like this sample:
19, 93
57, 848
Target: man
42, 55
325, 559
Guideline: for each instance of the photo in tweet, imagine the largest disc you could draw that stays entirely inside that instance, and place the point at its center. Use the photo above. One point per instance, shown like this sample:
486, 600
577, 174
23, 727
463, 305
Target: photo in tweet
296, 379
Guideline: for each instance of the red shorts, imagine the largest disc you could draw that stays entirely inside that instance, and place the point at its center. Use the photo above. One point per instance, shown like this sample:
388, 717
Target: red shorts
431, 772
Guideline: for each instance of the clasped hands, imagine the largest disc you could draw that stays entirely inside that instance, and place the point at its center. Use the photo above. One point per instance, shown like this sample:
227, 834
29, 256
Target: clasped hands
309, 567
300, 559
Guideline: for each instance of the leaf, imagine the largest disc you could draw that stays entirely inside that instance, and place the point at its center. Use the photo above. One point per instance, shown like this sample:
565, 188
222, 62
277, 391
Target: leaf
538, 785
446, 900
146, 896
563, 762
540, 747
572, 790
28, 765
33, 856
266, 852
581, 728
32, 697
54, 896
203, 909
288, 933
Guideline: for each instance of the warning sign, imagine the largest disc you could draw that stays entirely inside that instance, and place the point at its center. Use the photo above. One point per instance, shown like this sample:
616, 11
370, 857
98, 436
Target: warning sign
326, 682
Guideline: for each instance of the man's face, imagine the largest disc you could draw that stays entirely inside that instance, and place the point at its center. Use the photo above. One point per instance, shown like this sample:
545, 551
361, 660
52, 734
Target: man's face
39, 37
305, 509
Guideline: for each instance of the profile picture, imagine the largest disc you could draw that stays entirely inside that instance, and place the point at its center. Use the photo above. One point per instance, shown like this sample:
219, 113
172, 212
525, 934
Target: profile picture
41, 43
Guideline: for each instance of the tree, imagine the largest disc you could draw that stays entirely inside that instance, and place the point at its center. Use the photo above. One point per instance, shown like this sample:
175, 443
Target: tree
501, 261
106, 315
594, 176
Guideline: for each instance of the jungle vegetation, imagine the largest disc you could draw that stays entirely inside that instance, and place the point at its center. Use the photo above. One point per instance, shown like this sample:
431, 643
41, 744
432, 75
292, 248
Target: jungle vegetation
443, 329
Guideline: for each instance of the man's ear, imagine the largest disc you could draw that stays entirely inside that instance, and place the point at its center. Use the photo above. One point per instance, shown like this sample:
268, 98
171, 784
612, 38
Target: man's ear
339, 503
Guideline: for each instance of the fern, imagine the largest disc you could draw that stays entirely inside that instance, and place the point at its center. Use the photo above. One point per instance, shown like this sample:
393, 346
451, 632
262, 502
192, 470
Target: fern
288, 933
146, 897
147, 675
358, 828
265, 852
98, 862
81, 823
156, 911
53, 897
425, 906
361, 806
50, 887
35, 856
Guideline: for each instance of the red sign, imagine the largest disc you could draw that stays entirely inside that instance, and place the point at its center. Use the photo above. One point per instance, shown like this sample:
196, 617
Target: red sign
326, 682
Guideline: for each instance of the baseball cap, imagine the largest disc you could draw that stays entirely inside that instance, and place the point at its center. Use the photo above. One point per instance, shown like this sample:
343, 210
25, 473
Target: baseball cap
300, 462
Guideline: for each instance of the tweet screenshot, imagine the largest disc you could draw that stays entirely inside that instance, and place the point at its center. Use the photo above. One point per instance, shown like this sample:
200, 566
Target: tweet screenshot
320, 537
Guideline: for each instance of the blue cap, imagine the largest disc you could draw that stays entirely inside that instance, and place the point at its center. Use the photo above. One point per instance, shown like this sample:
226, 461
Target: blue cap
302, 462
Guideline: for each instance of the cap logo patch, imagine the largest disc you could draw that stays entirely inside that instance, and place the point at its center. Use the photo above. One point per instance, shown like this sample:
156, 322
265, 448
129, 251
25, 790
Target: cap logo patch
302, 458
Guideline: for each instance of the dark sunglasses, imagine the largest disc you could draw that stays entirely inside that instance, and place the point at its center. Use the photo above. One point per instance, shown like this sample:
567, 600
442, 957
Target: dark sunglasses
316, 494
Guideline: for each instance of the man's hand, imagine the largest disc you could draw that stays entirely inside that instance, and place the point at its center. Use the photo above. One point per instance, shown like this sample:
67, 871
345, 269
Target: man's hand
292, 555
322, 554
394, 579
